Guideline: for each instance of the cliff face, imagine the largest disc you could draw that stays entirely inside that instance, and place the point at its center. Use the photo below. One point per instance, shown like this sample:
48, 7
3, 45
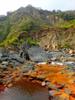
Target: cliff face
56, 38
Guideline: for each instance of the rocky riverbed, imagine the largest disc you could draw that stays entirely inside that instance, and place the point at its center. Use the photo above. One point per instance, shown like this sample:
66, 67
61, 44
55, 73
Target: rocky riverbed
35, 54
54, 70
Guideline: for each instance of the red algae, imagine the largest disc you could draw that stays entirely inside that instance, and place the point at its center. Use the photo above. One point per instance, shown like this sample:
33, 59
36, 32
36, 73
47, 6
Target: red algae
59, 82
58, 79
2, 88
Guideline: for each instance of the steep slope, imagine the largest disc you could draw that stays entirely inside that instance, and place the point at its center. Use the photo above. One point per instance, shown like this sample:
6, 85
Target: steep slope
23, 20
52, 29
57, 38
4, 27
28, 19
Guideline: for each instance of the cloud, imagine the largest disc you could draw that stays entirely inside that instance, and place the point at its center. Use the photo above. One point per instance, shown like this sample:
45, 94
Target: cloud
11, 5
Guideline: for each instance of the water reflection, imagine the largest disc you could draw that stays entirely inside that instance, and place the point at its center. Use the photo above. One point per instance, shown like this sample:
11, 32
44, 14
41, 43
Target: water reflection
25, 90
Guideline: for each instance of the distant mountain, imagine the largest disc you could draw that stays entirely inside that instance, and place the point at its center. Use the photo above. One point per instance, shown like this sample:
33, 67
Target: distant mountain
30, 22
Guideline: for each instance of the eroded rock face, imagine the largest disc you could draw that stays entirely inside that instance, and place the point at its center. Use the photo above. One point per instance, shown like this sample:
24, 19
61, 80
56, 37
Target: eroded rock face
55, 38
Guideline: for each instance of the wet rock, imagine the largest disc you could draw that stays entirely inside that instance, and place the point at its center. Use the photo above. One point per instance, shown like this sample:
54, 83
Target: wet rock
61, 56
1, 81
15, 59
0, 55
14, 63
27, 67
70, 63
57, 54
24, 54
37, 54
4, 58
18, 59
68, 91
5, 63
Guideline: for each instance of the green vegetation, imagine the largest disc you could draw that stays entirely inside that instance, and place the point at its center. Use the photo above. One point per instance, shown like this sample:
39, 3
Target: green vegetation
31, 42
66, 24
66, 45
31, 20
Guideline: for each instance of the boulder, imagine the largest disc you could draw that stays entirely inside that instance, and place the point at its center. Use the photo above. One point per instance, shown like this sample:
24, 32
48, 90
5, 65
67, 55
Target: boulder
37, 54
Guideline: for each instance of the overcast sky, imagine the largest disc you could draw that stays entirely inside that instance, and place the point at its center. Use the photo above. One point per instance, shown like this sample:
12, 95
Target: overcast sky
11, 5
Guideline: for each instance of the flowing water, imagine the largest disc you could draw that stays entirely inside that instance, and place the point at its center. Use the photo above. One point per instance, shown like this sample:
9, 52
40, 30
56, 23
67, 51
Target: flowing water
25, 90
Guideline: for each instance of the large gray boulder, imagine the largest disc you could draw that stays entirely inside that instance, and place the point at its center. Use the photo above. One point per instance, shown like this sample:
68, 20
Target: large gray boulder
37, 54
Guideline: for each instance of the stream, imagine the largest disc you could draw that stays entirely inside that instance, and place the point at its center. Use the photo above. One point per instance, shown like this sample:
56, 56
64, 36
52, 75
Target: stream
25, 90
